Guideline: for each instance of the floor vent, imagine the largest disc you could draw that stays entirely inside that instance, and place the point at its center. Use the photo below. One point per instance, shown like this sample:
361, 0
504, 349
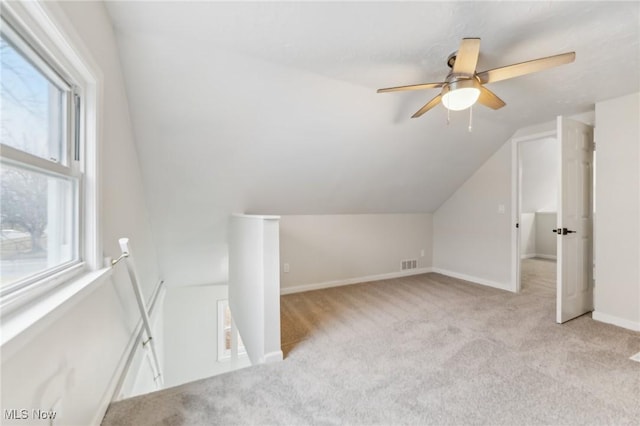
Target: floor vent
636, 357
408, 264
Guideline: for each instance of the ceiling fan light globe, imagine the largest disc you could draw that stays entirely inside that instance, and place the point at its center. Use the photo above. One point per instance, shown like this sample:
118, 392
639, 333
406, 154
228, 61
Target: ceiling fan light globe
460, 99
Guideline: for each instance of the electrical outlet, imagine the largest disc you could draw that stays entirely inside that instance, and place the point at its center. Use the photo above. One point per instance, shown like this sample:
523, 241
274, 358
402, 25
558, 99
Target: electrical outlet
285, 267
501, 209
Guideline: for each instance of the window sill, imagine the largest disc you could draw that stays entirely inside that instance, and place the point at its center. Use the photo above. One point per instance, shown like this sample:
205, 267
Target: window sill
25, 317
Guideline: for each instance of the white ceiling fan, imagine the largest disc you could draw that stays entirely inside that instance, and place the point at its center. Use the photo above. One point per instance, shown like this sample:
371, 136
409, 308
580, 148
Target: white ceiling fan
463, 86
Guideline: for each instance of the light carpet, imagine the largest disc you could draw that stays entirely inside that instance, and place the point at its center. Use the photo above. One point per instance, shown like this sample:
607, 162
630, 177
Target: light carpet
426, 349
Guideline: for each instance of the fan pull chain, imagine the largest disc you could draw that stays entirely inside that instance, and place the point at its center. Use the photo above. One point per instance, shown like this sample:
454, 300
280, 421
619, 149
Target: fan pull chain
448, 116
470, 118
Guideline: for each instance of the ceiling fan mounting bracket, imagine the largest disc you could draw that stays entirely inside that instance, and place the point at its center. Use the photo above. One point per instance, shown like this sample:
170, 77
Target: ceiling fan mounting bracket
451, 60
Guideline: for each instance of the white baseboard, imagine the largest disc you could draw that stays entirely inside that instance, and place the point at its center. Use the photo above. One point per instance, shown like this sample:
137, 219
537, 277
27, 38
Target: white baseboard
528, 256
620, 322
473, 279
349, 281
275, 356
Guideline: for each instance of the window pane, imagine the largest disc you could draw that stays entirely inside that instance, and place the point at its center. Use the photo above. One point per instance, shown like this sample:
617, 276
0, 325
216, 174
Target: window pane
37, 223
32, 109
227, 340
227, 315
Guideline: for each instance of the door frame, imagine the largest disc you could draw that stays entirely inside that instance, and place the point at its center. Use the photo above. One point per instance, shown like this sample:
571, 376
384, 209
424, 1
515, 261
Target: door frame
516, 174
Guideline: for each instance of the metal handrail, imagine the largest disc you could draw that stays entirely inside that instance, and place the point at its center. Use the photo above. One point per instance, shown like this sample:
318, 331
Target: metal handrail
126, 254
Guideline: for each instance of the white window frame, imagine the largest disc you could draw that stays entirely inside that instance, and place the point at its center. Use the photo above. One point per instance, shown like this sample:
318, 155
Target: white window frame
39, 25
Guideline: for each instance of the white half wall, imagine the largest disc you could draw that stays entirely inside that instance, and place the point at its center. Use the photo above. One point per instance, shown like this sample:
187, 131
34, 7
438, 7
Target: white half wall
617, 219
527, 235
472, 229
76, 354
328, 250
546, 244
254, 284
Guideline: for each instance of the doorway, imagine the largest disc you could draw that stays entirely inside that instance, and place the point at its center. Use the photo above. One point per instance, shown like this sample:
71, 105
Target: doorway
537, 206
571, 148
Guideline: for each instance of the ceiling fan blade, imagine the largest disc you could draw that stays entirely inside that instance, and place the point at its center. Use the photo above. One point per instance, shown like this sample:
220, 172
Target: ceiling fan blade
433, 102
522, 68
467, 56
489, 99
411, 87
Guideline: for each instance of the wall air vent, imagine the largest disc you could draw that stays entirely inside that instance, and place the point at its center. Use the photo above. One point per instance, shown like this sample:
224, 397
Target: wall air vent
408, 264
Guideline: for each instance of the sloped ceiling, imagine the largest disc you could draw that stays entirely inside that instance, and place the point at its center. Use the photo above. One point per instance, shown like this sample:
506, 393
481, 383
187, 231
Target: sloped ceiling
271, 107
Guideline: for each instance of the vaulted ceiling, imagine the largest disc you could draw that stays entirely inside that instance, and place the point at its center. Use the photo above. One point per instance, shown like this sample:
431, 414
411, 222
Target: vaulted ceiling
270, 107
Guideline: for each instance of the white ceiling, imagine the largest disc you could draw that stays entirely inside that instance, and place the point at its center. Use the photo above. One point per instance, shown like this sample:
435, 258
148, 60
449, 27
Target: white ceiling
271, 107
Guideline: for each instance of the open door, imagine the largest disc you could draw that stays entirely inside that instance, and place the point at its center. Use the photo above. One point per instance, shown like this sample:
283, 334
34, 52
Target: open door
575, 220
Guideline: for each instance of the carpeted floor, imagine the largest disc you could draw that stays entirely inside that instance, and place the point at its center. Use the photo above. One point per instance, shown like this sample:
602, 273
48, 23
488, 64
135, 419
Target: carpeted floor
426, 349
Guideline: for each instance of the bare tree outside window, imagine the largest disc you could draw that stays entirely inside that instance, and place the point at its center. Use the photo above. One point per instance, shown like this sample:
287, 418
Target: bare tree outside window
24, 205
37, 229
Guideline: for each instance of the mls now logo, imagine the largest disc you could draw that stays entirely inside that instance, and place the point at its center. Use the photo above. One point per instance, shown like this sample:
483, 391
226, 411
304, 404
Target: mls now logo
24, 414
16, 414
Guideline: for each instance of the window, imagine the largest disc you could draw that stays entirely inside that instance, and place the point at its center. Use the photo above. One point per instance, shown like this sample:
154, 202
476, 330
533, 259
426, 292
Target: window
225, 330
44, 214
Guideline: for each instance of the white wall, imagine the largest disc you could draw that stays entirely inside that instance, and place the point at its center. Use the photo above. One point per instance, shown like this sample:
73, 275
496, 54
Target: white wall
191, 330
536, 236
617, 135
546, 244
76, 353
527, 235
325, 250
472, 229
539, 165
254, 284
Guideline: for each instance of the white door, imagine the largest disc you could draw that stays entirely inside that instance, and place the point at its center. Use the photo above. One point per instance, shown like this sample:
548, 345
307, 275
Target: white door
575, 220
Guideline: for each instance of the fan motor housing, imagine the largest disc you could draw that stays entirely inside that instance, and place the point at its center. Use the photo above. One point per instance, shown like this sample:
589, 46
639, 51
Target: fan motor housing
456, 82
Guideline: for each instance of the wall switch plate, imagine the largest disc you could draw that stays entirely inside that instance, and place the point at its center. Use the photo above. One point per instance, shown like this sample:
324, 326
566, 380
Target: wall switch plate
285, 267
422, 253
